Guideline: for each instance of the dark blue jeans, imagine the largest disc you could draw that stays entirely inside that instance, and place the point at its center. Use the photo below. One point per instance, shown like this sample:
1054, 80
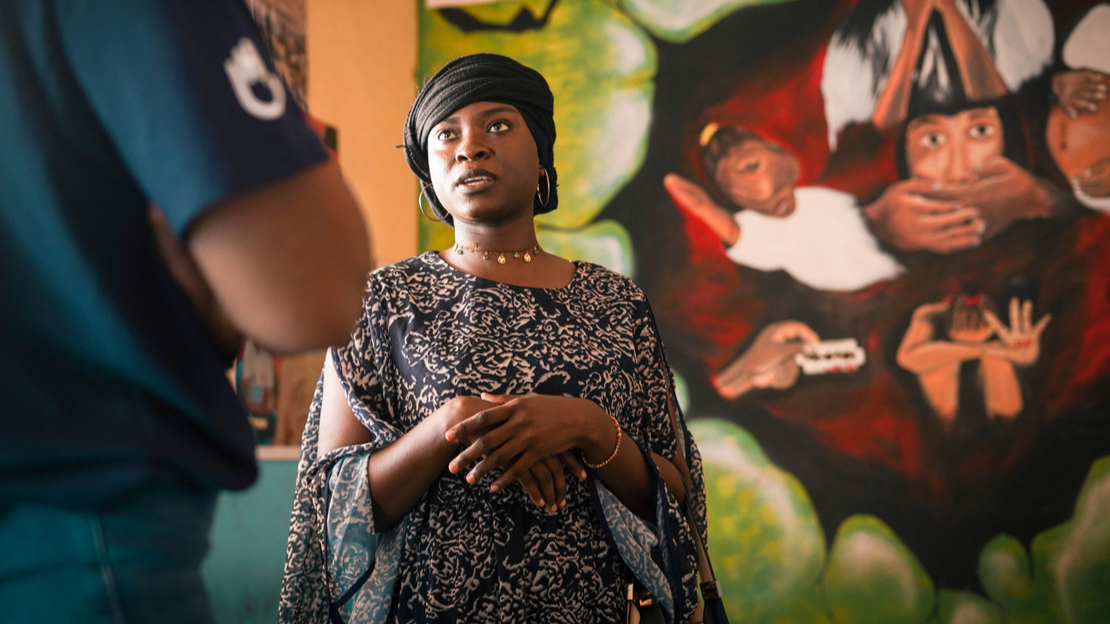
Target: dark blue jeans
137, 562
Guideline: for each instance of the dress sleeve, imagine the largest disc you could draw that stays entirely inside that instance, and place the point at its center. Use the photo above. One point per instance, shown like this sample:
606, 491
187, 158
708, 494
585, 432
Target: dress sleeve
335, 557
676, 549
659, 398
188, 96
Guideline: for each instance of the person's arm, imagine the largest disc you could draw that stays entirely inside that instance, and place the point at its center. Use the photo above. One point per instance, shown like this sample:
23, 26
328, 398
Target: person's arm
521, 431
400, 473
977, 70
1001, 388
192, 105
286, 262
702, 206
893, 101
769, 361
920, 352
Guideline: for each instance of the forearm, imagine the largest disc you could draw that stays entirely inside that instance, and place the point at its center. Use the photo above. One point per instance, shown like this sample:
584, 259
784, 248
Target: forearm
930, 356
287, 262
977, 69
893, 101
400, 474
671, 477
1001, 388
725, 226
625, 474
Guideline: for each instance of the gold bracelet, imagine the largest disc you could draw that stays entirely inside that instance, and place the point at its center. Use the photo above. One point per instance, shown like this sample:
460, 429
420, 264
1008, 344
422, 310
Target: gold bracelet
615, 448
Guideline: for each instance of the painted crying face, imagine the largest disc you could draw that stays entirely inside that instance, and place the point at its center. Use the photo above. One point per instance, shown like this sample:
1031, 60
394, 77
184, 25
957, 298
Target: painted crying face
953, 149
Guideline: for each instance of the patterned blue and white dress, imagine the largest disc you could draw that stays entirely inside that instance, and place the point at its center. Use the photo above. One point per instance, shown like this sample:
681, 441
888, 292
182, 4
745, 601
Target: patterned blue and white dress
464, 554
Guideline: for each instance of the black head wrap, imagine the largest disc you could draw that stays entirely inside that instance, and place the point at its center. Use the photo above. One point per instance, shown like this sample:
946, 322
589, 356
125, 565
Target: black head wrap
482, 78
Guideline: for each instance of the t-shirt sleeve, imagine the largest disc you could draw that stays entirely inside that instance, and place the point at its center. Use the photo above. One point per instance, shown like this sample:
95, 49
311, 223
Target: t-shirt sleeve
188, 96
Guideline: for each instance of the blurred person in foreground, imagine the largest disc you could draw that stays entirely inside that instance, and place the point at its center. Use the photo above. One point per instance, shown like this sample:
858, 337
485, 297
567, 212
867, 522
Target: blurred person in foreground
161, 197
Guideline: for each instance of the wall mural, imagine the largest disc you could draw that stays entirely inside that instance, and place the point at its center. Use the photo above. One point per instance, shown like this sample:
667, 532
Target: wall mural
875, 235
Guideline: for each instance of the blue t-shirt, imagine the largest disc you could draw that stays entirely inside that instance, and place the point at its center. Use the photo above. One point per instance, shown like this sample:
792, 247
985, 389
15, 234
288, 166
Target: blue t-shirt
107, 377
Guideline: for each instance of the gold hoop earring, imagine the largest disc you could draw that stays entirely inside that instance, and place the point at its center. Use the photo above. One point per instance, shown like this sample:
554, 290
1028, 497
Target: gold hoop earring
420, 205
539, 196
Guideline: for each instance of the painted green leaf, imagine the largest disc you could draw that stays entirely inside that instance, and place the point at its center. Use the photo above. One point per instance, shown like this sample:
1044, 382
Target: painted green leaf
955, 607
873, 578
604, 242
1065, 574
679, 21
767, 546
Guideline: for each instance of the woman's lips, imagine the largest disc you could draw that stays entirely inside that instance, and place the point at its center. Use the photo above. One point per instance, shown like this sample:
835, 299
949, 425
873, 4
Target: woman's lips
476, 180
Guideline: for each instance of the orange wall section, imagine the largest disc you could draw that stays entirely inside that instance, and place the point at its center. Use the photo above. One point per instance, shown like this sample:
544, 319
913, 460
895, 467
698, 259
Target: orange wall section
361, 68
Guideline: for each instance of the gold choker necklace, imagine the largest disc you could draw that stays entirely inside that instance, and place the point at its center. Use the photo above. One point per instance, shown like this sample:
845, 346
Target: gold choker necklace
502, 256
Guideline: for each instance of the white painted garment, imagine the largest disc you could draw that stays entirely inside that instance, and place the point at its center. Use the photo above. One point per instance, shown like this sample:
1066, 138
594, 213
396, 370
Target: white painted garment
824, 243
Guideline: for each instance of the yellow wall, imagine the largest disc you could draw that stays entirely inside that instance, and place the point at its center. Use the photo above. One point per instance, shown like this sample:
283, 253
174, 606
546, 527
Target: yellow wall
361, 68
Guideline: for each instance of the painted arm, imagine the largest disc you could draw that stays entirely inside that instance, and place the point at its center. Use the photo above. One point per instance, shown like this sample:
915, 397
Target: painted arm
769, 361
893, 102
921, 353
978, 73
935, 362
698, 202
980, 77
1080, 92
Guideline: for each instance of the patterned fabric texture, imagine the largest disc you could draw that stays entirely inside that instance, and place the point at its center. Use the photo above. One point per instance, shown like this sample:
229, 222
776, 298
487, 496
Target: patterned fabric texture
465, 554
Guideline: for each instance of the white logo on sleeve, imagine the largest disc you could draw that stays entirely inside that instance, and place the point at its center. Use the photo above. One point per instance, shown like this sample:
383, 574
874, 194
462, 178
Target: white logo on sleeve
245, 68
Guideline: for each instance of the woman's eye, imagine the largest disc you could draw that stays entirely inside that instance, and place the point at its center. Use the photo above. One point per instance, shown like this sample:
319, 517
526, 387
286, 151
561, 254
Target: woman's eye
444, 135
981, 131
499, 126
933, 140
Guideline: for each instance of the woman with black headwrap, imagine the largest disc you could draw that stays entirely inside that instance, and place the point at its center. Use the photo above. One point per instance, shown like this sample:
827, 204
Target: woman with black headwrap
494, 444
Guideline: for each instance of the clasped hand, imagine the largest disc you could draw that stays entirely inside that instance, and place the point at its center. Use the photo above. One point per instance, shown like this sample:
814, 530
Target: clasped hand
529, 438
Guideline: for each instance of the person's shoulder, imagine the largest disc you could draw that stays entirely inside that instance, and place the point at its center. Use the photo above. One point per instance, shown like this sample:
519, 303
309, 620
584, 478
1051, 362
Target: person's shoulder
422, 272
610, 283
408, 266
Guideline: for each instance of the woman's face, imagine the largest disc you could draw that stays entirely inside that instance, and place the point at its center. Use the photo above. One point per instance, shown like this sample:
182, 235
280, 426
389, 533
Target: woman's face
484, 164
953, 149
759, 175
